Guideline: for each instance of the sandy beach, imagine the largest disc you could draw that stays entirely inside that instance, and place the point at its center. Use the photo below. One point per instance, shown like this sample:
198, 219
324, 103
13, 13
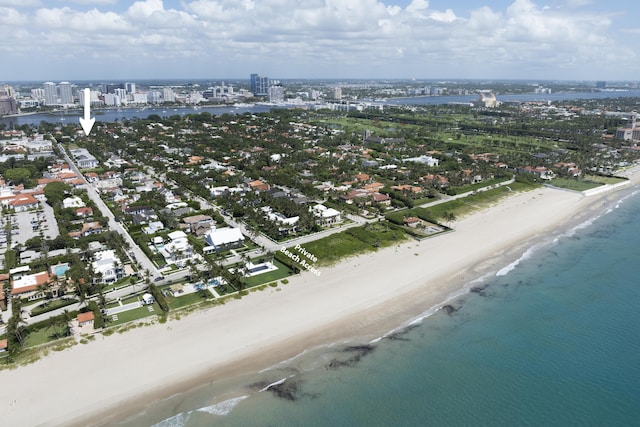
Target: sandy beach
364, 296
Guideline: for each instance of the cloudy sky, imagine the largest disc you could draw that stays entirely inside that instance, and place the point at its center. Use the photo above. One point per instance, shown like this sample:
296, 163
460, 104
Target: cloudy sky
488, 39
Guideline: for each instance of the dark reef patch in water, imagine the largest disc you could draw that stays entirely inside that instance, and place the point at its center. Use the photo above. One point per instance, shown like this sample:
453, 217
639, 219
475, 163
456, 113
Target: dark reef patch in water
287, 390
449, 309
360, 352
400, 334
479, 290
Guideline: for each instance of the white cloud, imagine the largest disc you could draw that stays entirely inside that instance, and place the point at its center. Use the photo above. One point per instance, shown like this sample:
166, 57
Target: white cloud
90, 22
417, 6
144, 9
20, 3
96, 2
289, 36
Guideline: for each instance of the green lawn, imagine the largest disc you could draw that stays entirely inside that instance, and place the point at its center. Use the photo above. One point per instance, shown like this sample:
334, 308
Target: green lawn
604, 179
353, 241
331, 249
575, 184
41, 336
471, 187
185, 300
52, 305
462, 206
271, 276
135, 314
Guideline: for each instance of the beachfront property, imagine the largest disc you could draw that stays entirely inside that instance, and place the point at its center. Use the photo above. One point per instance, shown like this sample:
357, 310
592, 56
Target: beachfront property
85, 319
107, 266
223, 239
539, 171
147, 299
251, 269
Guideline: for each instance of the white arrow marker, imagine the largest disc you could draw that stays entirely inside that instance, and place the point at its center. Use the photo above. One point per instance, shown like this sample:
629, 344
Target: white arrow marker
87, 122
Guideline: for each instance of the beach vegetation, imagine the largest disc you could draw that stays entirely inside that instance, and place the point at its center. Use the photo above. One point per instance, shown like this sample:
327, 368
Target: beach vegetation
354, 241
575, 184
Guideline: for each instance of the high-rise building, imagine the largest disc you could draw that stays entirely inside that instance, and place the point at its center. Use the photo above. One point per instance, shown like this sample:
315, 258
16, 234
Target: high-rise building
111, 87
140, 98
94, 97
7, 100
7, 105
601, 85
38, 94
122, 95
168, 95
50, 93
259, 85
130, 87
276, 94
111, 99
66, 94
337, 92
154, 96
7, 90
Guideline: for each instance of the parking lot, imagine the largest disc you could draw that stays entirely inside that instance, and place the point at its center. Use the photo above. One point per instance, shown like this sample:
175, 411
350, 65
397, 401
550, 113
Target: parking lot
25, 225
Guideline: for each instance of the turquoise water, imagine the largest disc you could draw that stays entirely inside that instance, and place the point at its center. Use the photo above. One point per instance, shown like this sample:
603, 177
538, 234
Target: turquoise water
553, 340
60, 269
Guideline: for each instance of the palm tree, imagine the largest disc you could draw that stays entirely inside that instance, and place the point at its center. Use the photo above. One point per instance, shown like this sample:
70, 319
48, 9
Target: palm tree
449, 217
52, 323
66, 318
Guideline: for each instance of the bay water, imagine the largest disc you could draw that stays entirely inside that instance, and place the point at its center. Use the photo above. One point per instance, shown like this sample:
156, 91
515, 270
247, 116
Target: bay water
552, 339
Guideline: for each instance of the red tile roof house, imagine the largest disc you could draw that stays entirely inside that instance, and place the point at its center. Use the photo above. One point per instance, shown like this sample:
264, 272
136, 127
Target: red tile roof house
3, 345
84, 212
381, 198
24, 202
29, 284
411, 221
85, 318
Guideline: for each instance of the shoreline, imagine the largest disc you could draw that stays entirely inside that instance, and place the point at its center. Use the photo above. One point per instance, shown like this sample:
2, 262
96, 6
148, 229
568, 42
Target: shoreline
266, 328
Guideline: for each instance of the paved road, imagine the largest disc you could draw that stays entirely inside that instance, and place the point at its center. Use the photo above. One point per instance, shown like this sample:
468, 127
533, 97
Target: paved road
140, 257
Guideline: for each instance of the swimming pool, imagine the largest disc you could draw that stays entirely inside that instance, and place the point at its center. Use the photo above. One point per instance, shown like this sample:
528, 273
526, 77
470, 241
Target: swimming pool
60, 269
258, 268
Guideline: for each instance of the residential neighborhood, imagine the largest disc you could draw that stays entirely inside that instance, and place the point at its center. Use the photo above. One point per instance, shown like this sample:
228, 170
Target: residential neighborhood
150, 215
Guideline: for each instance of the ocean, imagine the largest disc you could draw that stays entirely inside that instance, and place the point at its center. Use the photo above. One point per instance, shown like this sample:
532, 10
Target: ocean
551, 339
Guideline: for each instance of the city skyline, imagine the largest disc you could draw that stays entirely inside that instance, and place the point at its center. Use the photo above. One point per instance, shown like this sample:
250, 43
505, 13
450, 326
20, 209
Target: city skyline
501, 39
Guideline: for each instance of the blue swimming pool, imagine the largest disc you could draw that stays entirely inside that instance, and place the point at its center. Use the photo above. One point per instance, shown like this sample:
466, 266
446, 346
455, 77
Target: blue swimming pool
60, 269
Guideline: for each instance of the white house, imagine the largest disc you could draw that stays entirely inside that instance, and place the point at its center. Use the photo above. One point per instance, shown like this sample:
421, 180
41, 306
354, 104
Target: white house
221, 239
147, 299
425, 160
286, 224
84, 159
153, 227
73, 202
177, 251
326, 216
108, 265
